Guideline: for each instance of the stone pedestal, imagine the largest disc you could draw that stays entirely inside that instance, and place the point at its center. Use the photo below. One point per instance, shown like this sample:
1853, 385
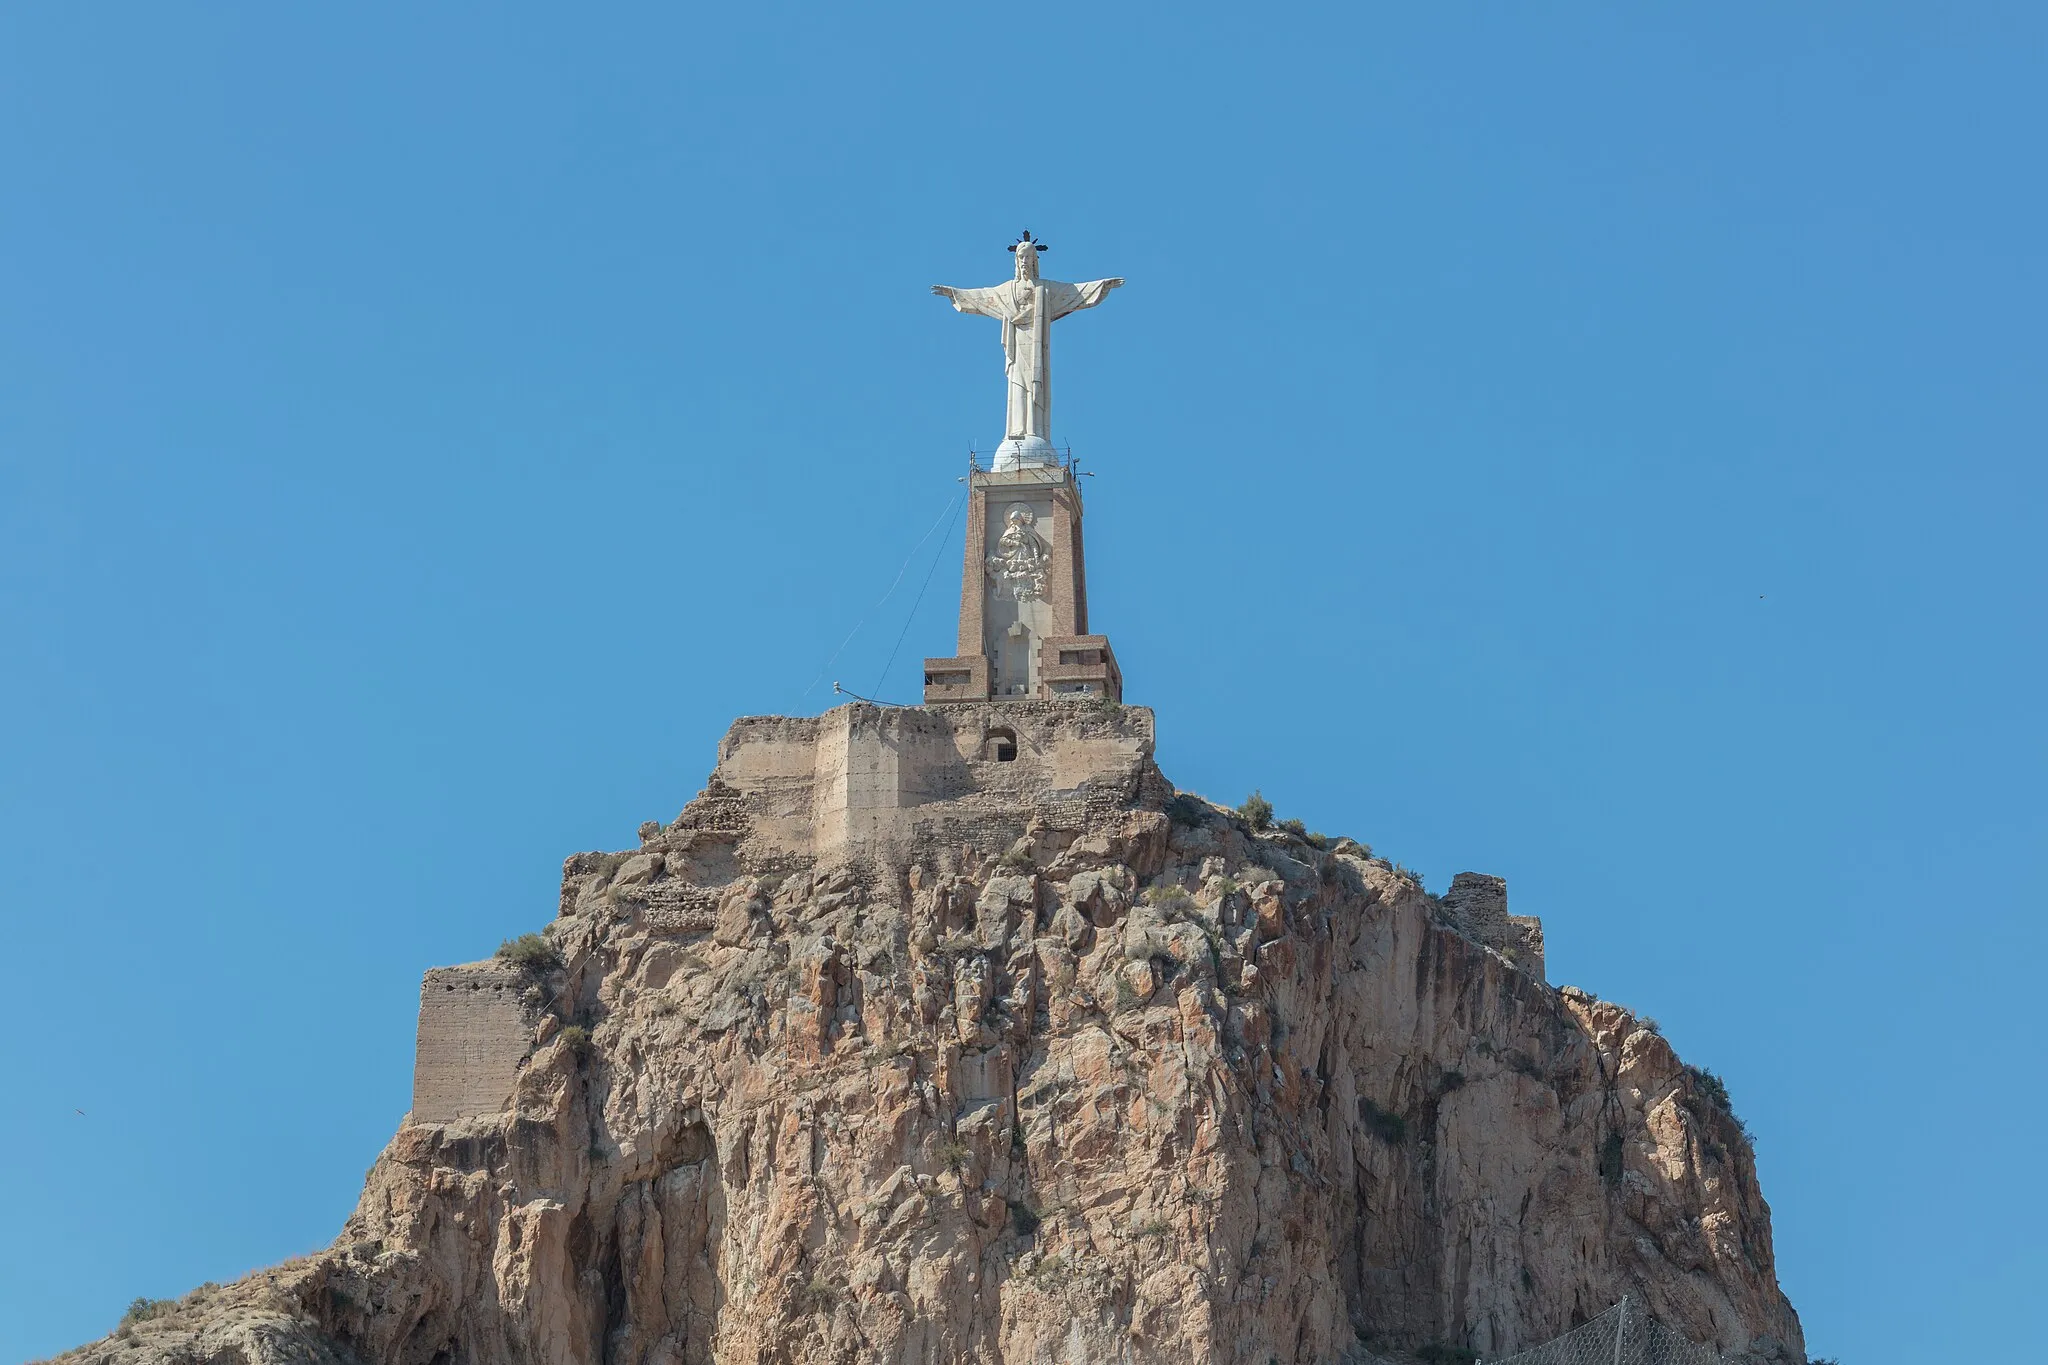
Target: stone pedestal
1024, 596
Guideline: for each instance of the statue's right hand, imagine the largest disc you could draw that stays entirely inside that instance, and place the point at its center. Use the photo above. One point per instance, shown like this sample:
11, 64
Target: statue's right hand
943, 291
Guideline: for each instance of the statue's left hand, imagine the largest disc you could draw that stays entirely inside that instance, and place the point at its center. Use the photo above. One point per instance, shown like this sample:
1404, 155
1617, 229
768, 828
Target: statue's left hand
1112, 284
943, 291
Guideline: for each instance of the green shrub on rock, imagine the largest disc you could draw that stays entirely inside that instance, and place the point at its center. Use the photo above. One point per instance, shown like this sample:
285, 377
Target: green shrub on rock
1257, 811
530, 953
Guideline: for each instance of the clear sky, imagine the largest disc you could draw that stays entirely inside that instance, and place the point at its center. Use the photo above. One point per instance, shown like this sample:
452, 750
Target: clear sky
1596, 445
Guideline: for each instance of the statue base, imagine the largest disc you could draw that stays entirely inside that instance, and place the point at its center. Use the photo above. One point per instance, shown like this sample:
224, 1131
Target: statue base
1025, 452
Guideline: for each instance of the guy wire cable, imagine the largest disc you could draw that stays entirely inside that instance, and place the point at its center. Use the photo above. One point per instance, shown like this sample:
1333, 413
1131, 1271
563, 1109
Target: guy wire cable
943, 516
937, 551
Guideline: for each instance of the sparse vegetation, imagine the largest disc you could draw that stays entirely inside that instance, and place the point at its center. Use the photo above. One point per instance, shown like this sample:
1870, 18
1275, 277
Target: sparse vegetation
821, 1293
1257, 811
1126, 998
1152, 1227
530, 953
1409, 875
1296, 828
1186, 811
1651, 1024
1024, 1218
1317, 840
1049, 1273
577, 1039
1452, 1080
1384, 1124
953, 1154
1017, 860
1708, 1087
142, 1310
1169, 899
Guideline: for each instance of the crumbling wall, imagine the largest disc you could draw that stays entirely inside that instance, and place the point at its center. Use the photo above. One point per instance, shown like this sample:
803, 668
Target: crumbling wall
1477, 906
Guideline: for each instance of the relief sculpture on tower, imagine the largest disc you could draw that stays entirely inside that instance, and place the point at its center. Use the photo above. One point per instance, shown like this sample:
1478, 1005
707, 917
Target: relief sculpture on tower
1019, 564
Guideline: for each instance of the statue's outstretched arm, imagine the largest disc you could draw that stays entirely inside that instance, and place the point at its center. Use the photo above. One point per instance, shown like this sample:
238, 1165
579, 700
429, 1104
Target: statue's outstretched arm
1072, 298
983, 301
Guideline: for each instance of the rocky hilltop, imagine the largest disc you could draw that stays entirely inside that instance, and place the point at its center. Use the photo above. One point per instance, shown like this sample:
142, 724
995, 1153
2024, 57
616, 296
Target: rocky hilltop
957, 1034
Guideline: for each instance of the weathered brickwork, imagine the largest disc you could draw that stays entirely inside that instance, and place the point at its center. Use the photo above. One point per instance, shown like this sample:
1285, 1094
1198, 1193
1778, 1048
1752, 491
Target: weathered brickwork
476, 1027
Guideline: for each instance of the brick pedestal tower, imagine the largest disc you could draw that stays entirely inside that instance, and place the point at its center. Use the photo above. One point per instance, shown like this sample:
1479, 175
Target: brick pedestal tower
1024, 595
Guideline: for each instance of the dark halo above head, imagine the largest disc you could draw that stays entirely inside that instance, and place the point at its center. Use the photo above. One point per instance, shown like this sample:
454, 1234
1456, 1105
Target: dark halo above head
1025, 240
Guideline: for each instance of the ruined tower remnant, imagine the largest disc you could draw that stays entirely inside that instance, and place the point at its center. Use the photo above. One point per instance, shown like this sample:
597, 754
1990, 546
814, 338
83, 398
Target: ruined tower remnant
1024, 585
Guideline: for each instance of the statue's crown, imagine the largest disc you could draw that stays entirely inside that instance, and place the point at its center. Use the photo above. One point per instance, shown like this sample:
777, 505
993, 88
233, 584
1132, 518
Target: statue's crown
1025, 240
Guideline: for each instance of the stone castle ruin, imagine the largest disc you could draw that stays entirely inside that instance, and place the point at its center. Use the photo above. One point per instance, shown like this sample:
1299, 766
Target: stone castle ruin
955, 1032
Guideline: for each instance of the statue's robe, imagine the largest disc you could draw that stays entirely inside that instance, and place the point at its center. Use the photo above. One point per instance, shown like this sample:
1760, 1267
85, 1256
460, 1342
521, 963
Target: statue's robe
1027, 309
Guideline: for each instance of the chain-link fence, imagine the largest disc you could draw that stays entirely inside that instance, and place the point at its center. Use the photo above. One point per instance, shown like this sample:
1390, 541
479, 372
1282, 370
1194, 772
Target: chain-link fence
1623, 1335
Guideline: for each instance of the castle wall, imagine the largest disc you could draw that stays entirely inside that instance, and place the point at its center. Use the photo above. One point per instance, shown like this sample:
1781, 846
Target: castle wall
474, 1032
1477, 904
864, 778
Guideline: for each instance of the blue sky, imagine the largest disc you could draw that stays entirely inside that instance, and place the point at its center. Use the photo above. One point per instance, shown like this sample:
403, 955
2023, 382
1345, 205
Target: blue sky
1599, 445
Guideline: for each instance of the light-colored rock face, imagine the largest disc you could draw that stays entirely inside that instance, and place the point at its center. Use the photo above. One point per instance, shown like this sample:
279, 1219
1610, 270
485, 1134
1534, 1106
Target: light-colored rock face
1049, 1077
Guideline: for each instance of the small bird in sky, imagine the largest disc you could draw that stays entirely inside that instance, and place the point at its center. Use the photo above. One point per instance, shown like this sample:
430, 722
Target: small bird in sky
79, 1112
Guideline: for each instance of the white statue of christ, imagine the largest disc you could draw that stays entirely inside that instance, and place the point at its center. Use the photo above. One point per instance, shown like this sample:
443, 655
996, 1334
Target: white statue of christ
1027, 306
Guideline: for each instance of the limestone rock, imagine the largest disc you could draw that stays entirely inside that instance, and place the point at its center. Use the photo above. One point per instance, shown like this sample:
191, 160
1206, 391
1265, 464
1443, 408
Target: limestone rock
921, 1104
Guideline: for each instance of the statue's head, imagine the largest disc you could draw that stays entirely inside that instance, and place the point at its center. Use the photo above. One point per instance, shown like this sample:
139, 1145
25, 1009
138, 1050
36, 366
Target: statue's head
1026, 251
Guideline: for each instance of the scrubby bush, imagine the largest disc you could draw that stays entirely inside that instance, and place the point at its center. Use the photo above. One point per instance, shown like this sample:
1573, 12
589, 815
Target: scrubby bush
1711, 1089
1409, 875
1186, 811
530, 953
1017, 860
576, 1038
1317, 840
142, 1310
1168, 899
1257, 811
1295, 827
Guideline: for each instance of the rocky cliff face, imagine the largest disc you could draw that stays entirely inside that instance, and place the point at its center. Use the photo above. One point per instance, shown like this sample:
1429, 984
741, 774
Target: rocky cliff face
1028, 1063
